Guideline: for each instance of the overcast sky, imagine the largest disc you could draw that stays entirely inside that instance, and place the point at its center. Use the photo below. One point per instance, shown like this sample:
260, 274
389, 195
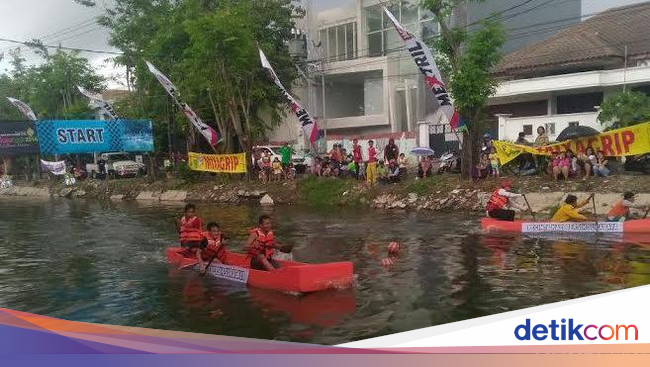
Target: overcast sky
67, 23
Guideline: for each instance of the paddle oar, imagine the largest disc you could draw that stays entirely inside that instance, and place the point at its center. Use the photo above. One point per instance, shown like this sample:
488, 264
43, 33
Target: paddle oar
530, 208
593, 200
209, 263
647, 213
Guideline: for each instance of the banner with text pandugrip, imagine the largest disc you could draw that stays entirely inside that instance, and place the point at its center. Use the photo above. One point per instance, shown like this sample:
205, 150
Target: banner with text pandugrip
94, 136
218, 163
628, 141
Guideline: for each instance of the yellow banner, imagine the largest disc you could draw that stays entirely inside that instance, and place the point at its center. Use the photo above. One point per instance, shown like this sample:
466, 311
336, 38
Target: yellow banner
222, 163
628, 141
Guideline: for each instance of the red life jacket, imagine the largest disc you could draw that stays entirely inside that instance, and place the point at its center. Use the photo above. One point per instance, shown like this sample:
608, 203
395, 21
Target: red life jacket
619, 210
496, 201
191, 229
263, 245
214, 248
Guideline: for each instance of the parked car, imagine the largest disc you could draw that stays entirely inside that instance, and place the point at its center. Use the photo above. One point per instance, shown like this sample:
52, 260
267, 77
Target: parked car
116, 165
300, 160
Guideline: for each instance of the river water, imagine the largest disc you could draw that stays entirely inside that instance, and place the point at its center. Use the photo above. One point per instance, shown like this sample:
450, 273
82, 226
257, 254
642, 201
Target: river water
104, 263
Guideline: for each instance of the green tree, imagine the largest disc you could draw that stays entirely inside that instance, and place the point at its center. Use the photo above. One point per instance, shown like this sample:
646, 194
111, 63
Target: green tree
208, 48
624, 110
465, 59
50, 89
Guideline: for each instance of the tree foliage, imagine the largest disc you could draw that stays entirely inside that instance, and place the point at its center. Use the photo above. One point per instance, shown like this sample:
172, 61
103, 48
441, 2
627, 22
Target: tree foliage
50, 88
208, 48
466, 59
624, 110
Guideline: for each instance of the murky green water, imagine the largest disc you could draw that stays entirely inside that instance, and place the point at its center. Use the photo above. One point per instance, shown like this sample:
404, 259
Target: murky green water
104, 263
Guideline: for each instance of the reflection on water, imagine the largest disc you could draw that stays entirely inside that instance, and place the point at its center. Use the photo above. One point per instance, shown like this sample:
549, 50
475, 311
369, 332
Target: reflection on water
104, 263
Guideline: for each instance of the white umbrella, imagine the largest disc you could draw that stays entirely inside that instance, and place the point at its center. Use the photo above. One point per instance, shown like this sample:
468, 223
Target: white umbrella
422, 152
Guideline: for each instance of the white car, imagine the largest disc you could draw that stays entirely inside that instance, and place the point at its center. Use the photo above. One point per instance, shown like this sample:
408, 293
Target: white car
117, 165
301, 161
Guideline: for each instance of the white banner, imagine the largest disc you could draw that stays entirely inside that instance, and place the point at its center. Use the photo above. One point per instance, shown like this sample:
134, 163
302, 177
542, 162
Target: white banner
98, 102
24, 108
308, 124
232, 273
56, 168
210, 134
582, 227
424, 60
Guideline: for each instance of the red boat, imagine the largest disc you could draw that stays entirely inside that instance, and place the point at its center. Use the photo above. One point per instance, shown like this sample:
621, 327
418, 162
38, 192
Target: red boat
639, 226
292, 276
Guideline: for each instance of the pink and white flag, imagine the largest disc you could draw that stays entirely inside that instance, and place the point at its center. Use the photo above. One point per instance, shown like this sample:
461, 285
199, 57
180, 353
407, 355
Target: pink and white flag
24, 108
211, 135
424, 60
308, 124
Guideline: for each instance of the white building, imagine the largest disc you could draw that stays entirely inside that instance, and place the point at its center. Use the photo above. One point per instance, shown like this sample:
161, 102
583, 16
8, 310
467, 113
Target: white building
360, 81
563, 80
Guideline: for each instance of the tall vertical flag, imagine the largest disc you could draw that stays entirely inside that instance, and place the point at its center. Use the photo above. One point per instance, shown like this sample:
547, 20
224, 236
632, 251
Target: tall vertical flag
104, 106
211, 135
24, 108
308, 124
427, 64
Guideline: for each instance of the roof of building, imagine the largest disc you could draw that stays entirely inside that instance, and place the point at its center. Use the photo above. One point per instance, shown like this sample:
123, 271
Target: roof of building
596, 42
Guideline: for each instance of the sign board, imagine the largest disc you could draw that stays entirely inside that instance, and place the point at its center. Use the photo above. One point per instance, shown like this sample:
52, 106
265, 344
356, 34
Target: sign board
582, 227
18, 138
222, 163
232, 273
93, 136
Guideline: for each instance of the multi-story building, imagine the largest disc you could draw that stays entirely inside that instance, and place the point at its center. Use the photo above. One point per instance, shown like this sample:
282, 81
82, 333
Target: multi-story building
362, 82
562, 81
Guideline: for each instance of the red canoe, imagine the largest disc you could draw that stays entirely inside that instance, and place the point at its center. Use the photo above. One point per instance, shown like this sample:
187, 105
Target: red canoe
640, 226
291, 277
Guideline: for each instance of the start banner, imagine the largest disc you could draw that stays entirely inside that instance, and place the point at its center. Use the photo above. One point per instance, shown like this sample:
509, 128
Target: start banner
628, 141
222, 163
94, 136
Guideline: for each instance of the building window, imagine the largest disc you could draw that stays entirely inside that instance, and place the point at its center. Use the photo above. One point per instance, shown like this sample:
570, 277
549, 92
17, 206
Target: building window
380, 32
550, 128
528, 130
574, 124
339, 42
578, 103
354, 94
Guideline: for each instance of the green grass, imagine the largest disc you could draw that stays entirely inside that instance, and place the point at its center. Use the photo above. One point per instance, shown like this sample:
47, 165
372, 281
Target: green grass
321, 192
422, 187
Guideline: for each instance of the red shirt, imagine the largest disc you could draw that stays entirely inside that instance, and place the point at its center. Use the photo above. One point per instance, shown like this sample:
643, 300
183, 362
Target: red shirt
356, 154
372, 154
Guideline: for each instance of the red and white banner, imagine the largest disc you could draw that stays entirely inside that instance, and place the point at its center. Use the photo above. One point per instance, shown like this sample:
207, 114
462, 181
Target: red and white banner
211, 135
104, 106
424, 60
308, 124
24, 108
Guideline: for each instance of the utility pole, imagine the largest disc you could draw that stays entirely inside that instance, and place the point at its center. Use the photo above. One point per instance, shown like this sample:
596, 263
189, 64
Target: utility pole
322, 80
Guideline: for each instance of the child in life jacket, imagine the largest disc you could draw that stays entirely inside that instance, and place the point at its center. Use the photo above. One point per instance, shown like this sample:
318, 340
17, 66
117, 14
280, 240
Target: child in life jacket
620, 212
213, 247
190, 228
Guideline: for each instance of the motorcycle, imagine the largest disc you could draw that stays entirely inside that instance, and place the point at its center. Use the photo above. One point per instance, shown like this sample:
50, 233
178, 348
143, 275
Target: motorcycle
449, 163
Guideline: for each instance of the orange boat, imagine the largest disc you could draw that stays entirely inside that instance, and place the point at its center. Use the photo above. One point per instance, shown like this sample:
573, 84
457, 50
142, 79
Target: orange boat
639, 226
292, 276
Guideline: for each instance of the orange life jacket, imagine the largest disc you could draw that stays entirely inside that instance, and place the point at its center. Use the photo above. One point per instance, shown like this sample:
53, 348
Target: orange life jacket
191, 229
263, 245
214, 248
496, 202
619, 210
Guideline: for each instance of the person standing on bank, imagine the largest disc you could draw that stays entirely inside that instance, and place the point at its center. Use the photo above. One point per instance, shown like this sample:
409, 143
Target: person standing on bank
371, 170
357, 157
500, 202
286, 152
391, 153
